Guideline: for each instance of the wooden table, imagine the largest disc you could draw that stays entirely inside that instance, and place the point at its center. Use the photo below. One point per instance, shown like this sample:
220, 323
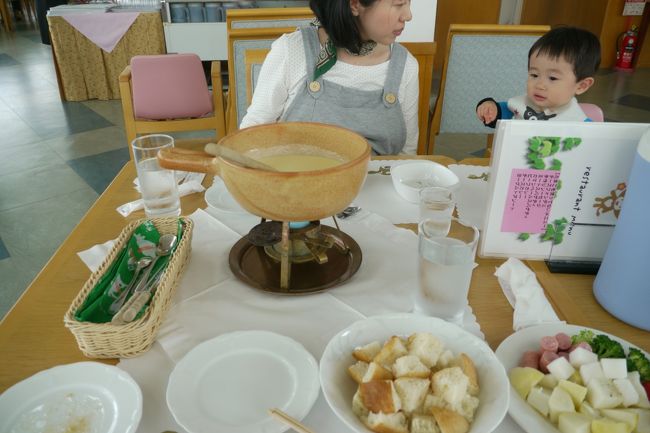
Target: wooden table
33, 338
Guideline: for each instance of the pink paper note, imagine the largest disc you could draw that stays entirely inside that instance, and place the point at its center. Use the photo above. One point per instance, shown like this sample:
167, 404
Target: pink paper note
529, 200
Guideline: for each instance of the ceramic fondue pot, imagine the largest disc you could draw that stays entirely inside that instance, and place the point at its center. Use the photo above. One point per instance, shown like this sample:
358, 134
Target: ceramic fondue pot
285, 195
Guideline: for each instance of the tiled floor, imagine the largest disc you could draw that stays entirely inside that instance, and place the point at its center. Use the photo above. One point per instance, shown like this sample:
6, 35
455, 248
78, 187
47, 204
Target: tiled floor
57, 157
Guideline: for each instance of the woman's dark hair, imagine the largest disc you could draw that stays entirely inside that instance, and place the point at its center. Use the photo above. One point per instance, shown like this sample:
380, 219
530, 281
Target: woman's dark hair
579, 47
335, 16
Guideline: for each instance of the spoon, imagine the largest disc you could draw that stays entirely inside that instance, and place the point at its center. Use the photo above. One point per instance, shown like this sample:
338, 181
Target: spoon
143, 290
140, 264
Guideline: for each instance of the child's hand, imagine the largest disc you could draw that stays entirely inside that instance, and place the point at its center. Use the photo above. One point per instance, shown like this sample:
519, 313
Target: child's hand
487, 112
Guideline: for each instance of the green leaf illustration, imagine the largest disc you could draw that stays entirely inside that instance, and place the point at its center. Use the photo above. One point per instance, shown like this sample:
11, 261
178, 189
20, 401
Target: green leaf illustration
523, 236
556, 164
539, 164
534, 143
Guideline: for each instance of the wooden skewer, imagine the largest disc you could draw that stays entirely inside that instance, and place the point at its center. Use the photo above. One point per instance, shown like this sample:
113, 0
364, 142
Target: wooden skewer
232, 155
291, 422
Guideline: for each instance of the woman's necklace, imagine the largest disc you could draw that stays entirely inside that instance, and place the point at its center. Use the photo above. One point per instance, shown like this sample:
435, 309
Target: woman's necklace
367, 47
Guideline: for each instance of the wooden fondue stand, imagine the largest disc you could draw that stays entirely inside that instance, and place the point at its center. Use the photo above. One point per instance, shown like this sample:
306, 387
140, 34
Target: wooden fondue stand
33, 337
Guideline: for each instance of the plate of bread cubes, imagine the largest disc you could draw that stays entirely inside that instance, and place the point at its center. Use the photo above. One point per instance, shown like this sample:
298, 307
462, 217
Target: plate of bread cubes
406, 373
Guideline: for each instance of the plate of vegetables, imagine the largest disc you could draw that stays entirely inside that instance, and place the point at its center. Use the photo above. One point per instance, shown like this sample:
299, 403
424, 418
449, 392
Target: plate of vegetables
573, 379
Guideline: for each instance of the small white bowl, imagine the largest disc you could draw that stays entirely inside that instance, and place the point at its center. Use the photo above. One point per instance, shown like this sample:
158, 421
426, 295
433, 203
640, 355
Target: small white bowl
410, 178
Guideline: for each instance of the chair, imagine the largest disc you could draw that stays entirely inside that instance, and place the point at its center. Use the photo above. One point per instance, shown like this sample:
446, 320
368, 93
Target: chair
481, 60
253, 29
249, 42
593, 112
169, 93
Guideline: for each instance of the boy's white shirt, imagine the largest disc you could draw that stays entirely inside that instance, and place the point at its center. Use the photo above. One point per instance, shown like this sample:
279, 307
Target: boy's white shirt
568, 112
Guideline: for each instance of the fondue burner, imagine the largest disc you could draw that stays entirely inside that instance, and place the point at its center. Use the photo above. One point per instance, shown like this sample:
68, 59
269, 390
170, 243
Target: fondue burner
276, 258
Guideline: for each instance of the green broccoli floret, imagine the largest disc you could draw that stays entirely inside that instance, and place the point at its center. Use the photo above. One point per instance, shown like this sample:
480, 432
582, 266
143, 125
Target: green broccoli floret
584, 335
605, 347
636, 361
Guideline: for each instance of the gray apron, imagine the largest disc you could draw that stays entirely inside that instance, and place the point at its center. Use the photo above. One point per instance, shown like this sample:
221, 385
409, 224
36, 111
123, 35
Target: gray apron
374, 114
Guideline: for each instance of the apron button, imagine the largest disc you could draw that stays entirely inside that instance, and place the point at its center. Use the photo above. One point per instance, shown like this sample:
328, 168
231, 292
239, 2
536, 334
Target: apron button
314, 86
390, 98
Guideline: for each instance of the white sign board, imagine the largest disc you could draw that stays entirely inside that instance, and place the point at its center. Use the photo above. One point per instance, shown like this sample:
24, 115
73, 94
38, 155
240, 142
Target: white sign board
556, 188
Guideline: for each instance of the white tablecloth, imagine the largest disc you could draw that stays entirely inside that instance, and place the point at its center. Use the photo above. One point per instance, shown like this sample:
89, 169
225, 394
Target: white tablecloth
210, 301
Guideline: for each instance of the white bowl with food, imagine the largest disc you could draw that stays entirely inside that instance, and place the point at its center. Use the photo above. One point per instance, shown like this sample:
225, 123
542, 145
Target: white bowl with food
441, 374
546, 408
409, 178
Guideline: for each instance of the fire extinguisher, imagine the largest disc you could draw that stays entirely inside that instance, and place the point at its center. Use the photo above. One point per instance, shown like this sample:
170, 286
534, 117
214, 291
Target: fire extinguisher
625, 46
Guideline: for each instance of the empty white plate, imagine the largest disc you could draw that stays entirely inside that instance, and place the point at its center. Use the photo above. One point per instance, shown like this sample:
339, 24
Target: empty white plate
228, 383
220, 198
85, 396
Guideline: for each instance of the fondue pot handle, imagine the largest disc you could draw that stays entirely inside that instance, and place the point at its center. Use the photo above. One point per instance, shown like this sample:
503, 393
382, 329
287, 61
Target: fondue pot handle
188, 160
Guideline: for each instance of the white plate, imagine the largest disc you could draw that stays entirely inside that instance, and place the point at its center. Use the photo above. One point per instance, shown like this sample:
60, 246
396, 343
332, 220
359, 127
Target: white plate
339, 388
220, 198
509, 353
228, 383
85, 396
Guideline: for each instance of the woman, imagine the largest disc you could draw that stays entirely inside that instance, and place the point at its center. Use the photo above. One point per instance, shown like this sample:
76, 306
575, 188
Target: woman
345, 70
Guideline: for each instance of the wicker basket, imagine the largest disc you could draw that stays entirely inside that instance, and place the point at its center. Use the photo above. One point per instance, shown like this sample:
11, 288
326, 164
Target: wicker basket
105, 340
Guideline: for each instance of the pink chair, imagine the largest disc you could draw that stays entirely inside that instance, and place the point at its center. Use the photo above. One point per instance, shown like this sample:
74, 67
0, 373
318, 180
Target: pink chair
593, 112
169, 93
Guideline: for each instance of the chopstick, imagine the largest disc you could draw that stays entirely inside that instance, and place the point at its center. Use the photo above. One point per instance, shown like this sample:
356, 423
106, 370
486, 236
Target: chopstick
286, 419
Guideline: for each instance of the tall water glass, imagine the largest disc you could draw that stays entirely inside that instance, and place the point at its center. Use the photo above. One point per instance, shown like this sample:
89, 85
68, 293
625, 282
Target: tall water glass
436, 207
446, 265
157, 185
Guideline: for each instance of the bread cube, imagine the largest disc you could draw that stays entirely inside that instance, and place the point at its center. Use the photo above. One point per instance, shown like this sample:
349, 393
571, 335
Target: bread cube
387, 422
410, 366
424, 424
376, 372
426, 347
368, 352
451, 384
450, 421
358, 370
380, 396
392, 349
412, 392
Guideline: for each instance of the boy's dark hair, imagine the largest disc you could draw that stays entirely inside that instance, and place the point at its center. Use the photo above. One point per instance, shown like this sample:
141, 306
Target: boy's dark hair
335, 16
579, 47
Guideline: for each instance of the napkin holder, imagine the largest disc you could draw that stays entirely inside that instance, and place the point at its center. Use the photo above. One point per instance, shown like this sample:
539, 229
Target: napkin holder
622, 286
106, 340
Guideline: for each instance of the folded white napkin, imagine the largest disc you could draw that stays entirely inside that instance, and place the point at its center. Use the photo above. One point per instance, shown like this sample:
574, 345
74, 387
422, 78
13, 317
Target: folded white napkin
525, 295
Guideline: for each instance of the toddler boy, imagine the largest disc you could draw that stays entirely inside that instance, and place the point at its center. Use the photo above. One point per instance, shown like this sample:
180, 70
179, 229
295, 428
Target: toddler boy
561, 65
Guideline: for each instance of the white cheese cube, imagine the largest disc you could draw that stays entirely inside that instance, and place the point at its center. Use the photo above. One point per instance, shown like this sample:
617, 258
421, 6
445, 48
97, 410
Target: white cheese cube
602, 394
560, 368
625, 387
614, 368
572, 422
538, 398
591, 371
635, 379
580, 356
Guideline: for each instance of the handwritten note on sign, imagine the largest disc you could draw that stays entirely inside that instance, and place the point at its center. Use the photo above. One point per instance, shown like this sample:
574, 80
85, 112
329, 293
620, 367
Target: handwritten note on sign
529, 200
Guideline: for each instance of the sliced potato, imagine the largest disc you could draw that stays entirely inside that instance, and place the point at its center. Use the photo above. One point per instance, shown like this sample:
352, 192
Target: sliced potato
523, 379
573, 422
560, 401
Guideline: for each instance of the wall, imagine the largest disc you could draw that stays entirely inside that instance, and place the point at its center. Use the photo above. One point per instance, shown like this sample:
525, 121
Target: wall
602, 17
461, 12
422, 27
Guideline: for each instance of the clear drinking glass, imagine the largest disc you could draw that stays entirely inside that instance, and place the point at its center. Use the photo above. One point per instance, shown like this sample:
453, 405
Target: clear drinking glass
436, 207
157, 185
446, 265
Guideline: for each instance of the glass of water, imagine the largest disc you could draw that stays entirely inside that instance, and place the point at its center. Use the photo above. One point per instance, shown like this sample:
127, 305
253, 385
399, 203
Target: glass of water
436, 207
157, 185
446, 263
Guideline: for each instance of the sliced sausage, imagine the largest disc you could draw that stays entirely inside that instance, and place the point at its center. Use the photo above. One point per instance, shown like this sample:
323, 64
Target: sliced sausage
546, 358
530, 359
563, 341
564, 354
549, 344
